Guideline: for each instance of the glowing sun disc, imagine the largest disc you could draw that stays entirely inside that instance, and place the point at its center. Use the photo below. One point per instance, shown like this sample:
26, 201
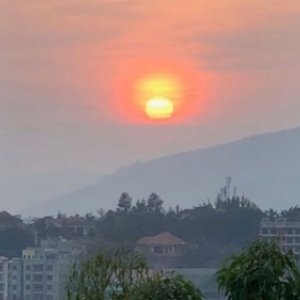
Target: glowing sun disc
159, 108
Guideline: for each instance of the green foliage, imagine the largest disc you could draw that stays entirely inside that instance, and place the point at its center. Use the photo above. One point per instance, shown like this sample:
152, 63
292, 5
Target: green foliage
154, 203
124, 203
121, 276
106, 276
14, 240
261, 272
164, 288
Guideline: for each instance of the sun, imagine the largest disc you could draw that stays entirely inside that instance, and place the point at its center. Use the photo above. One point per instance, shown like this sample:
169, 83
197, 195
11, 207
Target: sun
159, 108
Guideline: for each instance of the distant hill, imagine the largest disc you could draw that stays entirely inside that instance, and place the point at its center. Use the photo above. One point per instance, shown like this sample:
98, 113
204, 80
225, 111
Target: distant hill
265, 168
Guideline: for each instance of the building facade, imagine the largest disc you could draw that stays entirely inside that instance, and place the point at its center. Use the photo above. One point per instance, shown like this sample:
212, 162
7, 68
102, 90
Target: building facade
3, 278
287, 233
15, 279
42, 273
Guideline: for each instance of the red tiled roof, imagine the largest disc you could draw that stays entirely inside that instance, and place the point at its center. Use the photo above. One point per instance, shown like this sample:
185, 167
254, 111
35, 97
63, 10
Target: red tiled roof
164, 238
79, 222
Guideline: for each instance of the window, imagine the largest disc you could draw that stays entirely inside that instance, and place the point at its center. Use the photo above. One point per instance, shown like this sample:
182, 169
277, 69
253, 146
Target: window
37, 287
14, 277
27, 268
27, 287
49, 297
49, 277
1, 287
37, 278
49, 268
158, 249
27, 277
49, 287
37, 297
171, 249
80, 231
1, 296
14, 287
264, 231
14, 297
37, 268
14, 267
27, 297
1, 267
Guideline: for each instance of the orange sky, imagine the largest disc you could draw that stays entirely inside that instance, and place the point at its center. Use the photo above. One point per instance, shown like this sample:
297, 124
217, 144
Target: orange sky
65, 65
86, 44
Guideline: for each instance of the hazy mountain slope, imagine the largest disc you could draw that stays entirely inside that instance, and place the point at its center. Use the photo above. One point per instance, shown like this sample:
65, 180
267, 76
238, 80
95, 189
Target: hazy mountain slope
265, 168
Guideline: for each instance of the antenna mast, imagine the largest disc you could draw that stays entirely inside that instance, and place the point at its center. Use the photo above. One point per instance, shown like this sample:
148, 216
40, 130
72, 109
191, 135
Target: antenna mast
227, 188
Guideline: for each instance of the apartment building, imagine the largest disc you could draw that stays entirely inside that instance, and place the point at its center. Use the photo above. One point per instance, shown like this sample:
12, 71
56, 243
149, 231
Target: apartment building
42, 273
15, 279
47, 269
287, 233
3, 277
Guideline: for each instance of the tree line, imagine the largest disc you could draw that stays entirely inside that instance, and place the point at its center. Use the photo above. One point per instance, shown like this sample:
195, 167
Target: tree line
219, 228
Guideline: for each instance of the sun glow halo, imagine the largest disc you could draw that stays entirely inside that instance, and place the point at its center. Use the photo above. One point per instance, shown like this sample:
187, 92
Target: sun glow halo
159, 108
142, 83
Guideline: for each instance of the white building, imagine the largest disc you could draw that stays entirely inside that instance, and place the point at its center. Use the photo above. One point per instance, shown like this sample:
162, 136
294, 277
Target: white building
41, 273
287, 233
47, 269
15, 279
3, 278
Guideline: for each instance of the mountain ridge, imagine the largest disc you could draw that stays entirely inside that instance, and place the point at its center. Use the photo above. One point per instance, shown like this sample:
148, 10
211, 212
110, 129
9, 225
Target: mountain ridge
264, 167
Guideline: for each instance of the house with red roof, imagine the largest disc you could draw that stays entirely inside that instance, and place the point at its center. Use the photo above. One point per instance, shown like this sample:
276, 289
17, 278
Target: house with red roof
163, 250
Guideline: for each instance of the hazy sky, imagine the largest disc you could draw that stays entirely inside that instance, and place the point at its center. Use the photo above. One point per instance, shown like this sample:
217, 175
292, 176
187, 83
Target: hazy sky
61, 64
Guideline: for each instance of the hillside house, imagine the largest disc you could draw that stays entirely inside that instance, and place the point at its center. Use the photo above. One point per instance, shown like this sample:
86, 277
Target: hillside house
162, 251
81, 226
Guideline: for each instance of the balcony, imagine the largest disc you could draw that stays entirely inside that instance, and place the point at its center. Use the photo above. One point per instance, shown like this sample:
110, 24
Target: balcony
279, 224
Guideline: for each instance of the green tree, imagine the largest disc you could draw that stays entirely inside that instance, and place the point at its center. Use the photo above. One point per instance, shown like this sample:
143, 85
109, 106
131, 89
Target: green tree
122, 276
166, 288
292, 214
154, 203
14, 240
124, 203
262, 271
140, 206
105, 276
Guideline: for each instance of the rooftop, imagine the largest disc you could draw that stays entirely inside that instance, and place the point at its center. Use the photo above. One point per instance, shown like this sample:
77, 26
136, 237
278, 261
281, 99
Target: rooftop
164, 238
